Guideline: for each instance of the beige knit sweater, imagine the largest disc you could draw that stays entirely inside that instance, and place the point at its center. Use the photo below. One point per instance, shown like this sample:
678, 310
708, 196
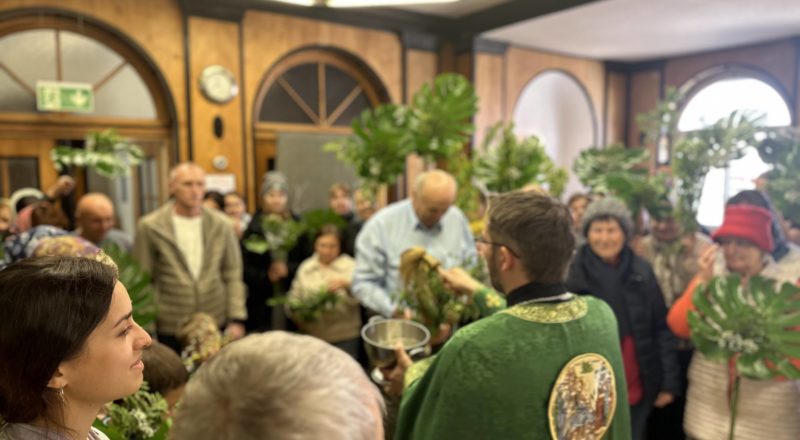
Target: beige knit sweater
341, 323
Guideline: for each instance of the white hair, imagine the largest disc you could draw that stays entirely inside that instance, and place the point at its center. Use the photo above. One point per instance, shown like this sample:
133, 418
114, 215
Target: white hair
281, 386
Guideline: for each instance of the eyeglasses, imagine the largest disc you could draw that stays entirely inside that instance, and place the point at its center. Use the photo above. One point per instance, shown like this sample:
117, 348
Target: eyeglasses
486, 242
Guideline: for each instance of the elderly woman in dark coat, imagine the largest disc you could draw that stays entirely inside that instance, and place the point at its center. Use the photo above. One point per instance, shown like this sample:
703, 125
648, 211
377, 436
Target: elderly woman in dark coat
605, 267
266, 271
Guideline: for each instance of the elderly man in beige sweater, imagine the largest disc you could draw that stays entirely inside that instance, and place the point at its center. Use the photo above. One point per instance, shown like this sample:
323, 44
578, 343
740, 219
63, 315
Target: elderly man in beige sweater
193, 257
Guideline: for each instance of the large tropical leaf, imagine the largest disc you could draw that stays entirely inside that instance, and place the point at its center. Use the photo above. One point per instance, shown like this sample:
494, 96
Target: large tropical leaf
440, 117
755, 325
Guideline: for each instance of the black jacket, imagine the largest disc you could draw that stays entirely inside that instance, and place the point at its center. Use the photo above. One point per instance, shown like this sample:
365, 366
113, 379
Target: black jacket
656, 346
259, 288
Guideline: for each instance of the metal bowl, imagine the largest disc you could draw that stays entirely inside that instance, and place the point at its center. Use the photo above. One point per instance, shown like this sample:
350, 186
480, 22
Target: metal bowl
381, 336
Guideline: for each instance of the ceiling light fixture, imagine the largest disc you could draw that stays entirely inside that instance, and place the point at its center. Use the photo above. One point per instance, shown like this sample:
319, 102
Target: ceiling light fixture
361, 3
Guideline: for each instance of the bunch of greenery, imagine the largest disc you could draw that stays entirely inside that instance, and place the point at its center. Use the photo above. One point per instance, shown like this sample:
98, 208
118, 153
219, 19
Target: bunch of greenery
138, 283
436, 126
141, 416
754, 325
378, 146
315, 219
781, 149
508, 164
623, 173
439, 119
695, 153
278, 236
310, 308
425, 294
105, 152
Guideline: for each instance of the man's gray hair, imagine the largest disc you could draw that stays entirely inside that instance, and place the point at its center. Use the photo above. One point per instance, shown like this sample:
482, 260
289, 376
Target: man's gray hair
278, 385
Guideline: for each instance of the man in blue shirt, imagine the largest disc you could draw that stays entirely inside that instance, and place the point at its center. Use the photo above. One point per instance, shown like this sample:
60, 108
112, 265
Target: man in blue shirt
427, 220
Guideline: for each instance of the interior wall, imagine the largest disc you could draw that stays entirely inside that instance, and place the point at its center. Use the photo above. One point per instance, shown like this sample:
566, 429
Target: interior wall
159, 35
616, 105
489, 77
214, 42
421, 67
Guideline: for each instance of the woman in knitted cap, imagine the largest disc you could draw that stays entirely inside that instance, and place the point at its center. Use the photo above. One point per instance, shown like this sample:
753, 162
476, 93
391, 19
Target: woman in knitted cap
605, 267
264, 271
767, 408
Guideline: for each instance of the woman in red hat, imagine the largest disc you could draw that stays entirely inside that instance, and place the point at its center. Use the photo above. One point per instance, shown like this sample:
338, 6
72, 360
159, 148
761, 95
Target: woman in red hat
767, 408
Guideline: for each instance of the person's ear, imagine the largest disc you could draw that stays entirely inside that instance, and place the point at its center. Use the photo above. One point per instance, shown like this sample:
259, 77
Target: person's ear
58, 380
507, 259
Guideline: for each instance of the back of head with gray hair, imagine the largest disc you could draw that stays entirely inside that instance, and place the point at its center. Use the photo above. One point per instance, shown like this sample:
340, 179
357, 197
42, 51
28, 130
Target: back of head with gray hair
278, 385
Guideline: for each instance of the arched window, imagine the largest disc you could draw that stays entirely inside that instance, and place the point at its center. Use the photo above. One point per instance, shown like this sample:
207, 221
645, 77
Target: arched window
306, 100
130, 95
555, 107
715, 101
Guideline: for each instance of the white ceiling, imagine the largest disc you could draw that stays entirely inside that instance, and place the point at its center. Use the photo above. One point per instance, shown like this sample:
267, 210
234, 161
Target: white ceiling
635, 30
456, 9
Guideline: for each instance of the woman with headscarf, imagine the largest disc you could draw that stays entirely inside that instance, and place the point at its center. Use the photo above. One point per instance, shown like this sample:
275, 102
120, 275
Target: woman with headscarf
767, 409
607, 268
263, 272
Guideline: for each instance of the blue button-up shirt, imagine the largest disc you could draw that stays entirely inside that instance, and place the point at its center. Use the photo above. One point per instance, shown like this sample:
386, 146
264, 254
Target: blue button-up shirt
382, 240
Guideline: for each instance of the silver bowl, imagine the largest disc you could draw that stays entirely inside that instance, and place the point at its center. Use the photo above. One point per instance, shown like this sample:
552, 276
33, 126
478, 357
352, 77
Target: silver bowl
382, 335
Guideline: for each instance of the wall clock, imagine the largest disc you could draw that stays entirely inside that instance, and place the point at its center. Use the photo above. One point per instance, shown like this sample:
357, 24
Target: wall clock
218, 84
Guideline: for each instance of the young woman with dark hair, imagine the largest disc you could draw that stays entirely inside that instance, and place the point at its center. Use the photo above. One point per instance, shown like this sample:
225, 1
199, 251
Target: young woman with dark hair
68, 345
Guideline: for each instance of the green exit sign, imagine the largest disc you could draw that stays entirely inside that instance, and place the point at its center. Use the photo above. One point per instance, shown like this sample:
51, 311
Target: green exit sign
57, 96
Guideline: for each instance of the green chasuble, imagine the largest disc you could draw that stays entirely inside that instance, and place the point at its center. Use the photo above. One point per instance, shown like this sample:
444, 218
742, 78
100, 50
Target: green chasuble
494, 378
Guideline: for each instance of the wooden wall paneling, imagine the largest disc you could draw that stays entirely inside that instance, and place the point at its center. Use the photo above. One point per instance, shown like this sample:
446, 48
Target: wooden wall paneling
155, 26
645, 89
778, 59
489, 80
522, 65
215, 42
268, 37
616, 98
421, 68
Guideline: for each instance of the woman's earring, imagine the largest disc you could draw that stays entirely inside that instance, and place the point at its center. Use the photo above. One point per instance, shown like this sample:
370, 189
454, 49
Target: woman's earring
61, 394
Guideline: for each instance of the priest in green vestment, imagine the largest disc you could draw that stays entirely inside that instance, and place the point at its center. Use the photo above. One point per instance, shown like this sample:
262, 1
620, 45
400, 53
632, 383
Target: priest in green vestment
546, 364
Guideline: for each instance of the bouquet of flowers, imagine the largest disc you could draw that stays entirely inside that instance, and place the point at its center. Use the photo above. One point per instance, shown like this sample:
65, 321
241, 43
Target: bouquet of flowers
138, 417
753, 324
278, 236
308, 309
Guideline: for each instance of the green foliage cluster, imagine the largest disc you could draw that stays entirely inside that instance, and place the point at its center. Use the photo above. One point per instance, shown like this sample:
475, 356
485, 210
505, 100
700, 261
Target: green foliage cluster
278, 236
308, 309
315, 219
753, 325
696, 152
436, 126
141, 416
508, 163
623, 173
781, 149
106, 152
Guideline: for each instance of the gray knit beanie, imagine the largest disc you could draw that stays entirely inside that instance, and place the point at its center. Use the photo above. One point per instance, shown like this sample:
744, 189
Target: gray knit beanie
608, 207
274, 180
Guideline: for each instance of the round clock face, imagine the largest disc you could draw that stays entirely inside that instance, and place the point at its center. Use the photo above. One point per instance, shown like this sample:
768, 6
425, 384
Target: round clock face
218, 84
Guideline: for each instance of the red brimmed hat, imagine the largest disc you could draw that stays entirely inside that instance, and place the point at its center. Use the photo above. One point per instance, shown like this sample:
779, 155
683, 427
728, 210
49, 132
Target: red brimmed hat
751, 223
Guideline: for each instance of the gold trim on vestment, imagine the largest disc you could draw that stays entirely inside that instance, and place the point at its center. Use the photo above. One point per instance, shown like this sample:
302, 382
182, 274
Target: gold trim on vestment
550, 313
